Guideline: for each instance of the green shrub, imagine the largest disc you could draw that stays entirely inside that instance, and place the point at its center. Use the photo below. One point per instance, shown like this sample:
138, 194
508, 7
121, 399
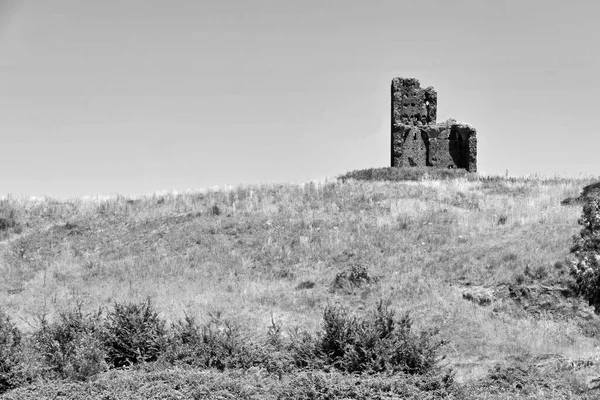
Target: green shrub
586, 249
72, 347
10, 354
134, 333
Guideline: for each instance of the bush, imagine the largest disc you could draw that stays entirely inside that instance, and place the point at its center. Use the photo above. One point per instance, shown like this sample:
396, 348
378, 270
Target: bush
586, 250
354, 273
134, 333
305, 351
10, 354
218, 344
72, 347
377, 343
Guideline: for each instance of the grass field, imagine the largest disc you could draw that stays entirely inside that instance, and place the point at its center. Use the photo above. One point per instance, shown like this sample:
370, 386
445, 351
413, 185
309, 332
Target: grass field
451, 250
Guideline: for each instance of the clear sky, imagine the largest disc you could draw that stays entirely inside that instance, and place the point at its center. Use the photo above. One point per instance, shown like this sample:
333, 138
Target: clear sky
138, 96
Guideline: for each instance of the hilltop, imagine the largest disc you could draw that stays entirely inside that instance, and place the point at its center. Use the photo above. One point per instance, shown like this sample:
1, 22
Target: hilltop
479, 260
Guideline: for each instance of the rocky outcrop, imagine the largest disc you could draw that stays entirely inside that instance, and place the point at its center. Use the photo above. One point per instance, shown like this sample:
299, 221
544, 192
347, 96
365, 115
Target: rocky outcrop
417, 140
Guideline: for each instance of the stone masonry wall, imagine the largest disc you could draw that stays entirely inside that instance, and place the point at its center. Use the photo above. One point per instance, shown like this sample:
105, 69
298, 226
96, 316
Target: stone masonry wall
412, 105
417, 140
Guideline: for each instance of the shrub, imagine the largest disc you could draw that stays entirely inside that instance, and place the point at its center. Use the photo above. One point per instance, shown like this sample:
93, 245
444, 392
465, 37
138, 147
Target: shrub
305, 350
6, 223
217, 344
354, 273
586, 250
10, 352
380, 342
376, 343
134, 333
72, 347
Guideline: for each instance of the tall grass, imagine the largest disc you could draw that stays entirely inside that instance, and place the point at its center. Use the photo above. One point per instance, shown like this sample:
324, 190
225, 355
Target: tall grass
418, 241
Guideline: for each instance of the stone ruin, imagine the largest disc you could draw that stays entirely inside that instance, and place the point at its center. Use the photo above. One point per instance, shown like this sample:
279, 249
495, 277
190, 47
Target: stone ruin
418, 141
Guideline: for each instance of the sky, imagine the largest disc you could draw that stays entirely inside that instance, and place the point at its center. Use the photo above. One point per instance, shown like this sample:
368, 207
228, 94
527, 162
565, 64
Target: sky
139, 96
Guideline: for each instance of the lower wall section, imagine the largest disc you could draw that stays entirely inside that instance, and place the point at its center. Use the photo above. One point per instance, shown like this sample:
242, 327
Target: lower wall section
444, 145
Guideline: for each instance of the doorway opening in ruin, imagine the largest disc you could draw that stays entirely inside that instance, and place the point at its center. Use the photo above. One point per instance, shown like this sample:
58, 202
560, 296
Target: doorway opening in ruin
459, 147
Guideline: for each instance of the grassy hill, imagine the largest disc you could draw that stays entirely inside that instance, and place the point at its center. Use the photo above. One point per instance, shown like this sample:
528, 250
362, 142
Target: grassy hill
479, 260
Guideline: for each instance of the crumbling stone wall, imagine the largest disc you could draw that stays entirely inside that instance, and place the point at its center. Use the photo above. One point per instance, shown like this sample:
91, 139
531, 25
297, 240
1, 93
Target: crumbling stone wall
417, 140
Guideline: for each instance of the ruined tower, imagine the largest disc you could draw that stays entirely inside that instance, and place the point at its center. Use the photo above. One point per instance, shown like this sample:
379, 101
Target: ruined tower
417, 140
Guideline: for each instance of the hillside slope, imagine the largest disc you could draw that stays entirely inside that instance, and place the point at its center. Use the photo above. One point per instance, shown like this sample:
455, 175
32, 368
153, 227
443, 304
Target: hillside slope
480, 259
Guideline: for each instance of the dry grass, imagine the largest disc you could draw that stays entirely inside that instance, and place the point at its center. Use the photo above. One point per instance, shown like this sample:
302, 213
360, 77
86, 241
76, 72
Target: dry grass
244, 251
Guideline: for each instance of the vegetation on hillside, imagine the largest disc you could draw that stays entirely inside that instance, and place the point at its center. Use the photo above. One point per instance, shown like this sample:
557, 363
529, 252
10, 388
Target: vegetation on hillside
586, 249
384, 283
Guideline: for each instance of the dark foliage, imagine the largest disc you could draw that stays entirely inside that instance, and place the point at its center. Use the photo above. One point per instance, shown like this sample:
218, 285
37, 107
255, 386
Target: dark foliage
376, 343
78, 346
305, 285
71, 347
134, 333
217, 344
10, 354
355, 271
586, 249
379, 342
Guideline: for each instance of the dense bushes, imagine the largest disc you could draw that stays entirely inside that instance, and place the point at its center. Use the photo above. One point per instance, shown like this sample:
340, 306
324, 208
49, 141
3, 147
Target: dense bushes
586, 250
72, 346
77, 346
10, 354
376, 355
378, 342
218, 344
